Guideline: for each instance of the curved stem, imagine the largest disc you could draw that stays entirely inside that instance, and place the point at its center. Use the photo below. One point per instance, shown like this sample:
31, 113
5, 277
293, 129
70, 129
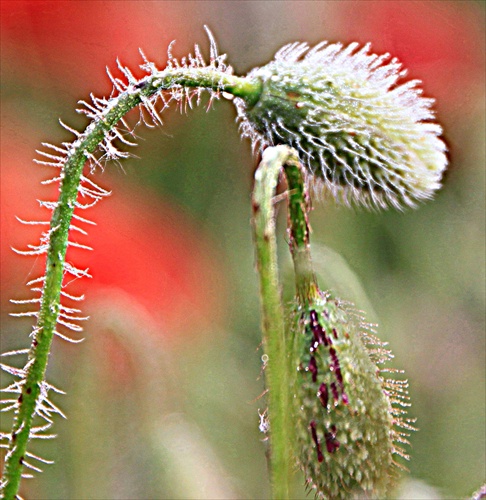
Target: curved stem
82, 148
273, 324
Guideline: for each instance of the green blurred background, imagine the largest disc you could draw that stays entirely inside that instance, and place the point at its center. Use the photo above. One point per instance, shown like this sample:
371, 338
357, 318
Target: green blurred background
162, 396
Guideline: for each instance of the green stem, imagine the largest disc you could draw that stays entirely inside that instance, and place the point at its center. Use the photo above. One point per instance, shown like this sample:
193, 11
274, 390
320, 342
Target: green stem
305, 280
87, 143
273, 324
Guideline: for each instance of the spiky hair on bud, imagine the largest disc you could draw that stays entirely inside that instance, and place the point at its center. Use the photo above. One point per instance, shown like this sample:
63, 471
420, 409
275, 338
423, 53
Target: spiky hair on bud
349, 413
366, 138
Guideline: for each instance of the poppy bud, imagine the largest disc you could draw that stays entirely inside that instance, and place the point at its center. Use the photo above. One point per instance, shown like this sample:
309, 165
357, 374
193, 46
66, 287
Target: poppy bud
346, 414
366, 138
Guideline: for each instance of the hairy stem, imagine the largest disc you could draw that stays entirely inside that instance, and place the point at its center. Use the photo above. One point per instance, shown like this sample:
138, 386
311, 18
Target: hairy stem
275, 160
86, 144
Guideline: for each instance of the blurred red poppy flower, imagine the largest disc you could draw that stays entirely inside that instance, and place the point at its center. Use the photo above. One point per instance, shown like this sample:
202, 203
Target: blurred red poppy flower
439, 42
75, 41
143, 247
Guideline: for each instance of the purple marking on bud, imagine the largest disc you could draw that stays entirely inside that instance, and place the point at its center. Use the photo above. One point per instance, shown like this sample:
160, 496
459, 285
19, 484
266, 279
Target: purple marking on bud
336, 368
339, 376
335, 333
335, 393
320, 456
313, 368
319, 332
313, 317
315, 326
327, 340
323, 394
332, 444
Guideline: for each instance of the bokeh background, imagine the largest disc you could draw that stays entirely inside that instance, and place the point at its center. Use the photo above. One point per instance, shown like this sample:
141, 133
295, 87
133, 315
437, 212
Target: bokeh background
162, 396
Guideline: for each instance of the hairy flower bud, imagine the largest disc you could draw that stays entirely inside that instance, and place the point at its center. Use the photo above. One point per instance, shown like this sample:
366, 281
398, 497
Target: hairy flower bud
367, 139
346, 414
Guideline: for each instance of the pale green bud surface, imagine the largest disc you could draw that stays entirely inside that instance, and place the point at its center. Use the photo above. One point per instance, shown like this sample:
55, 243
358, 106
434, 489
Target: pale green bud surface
362, 136
346, 417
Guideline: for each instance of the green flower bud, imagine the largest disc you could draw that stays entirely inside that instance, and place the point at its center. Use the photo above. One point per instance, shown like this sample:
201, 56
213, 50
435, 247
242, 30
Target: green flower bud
346, 413
365, 138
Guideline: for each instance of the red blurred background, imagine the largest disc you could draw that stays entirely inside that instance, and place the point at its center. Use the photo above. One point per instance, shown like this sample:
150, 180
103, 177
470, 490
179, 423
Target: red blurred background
144, 246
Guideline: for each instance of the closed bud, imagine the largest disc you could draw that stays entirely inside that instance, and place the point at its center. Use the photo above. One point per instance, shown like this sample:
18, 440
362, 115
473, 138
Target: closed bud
366, 139
347, 414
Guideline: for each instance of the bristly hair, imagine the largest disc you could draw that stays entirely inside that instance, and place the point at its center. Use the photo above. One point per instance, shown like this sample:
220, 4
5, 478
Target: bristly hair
110, 148
349, 411
363, 137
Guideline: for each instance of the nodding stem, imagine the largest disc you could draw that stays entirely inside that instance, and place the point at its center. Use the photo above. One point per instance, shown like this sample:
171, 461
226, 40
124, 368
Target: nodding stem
275, 161
91, 146
273, 324
339, 406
